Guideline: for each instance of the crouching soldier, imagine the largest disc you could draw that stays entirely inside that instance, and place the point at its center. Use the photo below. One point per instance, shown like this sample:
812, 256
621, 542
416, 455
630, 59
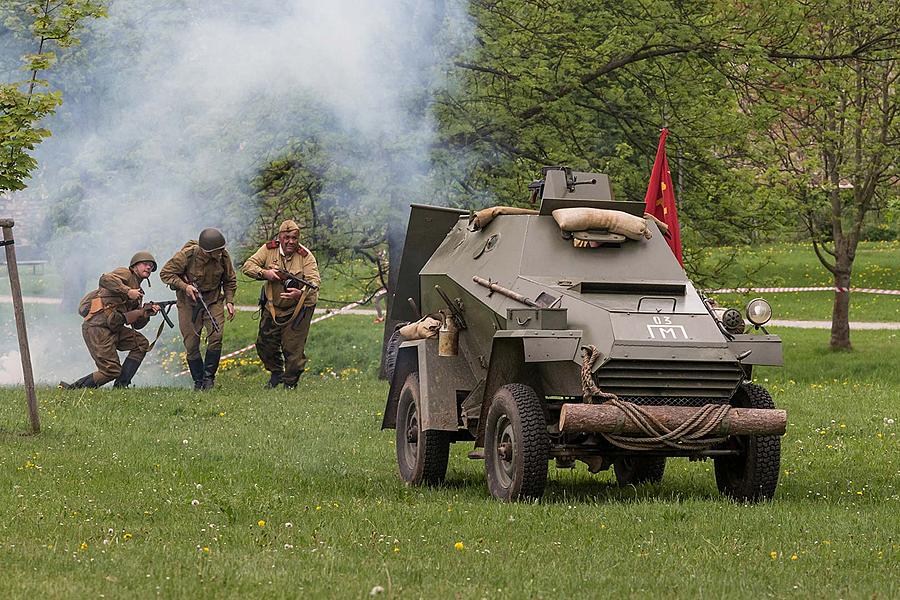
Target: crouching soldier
287, 303
201, 272
112, 314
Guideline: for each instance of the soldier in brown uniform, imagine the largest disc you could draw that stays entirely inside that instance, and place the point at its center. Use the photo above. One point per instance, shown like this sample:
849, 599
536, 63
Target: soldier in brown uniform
107, 312
202, 268
284, 323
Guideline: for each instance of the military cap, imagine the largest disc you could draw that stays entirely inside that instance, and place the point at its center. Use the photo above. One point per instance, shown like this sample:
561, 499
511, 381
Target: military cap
288, 225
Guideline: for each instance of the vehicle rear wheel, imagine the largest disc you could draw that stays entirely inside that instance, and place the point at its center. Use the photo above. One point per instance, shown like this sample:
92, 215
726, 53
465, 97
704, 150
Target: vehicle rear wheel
752, 475
517, 446
422, 456
635, 470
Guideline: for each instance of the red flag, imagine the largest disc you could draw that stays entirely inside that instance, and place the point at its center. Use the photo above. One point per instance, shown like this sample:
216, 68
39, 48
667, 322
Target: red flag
660, 198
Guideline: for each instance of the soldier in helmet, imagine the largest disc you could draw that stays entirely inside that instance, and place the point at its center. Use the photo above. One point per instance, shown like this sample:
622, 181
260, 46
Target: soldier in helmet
202, 268
286, 311
112, 314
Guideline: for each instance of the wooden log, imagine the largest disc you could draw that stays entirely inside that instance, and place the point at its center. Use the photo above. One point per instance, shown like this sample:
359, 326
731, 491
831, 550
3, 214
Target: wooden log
15, 287
605, 418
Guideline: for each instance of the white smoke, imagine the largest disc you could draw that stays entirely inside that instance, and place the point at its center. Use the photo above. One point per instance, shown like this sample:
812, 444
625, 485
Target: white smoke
170, 111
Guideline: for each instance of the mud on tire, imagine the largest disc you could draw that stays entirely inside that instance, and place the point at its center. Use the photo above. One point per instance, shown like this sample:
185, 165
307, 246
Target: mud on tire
422, 456
390, 354
752, 475
517, 446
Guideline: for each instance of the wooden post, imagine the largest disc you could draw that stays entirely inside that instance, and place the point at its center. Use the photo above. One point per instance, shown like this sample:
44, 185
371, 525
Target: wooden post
16, 290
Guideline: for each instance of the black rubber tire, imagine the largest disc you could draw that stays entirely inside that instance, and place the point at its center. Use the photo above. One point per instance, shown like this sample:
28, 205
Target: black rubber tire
635, 470
752, 476
390, 355
422, 456
516, 446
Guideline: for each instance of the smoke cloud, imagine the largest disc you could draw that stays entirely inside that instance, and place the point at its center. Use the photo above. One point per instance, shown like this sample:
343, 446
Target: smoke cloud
169, 112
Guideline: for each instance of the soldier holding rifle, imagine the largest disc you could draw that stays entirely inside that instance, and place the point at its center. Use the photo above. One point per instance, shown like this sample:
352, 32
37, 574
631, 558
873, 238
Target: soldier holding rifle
204, 280
112, 314
288, 301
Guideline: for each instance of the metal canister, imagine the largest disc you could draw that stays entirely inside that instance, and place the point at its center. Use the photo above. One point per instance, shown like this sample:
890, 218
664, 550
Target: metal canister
448, 338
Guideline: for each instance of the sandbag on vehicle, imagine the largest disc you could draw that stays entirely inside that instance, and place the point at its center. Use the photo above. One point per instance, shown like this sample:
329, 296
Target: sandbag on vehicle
426, 327
480, 219
614, 221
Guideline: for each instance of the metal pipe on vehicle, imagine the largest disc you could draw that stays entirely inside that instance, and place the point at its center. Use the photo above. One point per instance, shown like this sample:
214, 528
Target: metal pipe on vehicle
505, 291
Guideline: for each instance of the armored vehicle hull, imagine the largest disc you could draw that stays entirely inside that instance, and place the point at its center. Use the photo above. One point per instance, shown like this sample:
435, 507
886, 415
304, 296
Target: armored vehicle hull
582, 346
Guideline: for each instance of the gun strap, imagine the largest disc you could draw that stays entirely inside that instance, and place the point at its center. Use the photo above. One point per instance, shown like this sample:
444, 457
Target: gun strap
158, 334
270, 305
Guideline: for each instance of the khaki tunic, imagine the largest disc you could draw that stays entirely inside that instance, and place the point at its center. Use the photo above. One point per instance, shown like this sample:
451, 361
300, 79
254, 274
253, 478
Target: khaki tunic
281, 341
215, 277
105, 332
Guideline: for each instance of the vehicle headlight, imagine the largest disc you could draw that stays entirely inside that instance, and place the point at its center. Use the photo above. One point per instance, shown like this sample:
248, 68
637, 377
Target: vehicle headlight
758, 311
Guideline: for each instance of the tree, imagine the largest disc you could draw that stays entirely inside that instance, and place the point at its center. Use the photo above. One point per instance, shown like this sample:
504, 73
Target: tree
833, 126
48, 26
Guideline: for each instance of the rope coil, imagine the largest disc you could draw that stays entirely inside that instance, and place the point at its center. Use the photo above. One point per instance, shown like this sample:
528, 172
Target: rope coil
690, 435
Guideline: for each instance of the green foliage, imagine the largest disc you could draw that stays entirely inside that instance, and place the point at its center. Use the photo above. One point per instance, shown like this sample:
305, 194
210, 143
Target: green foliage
25, 102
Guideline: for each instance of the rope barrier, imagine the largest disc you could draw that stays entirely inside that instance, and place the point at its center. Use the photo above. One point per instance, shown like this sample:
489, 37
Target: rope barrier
775, 290
341, 310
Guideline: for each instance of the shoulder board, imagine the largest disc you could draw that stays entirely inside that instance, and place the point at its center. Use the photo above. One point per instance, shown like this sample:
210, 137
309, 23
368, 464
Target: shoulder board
302, 251
272, 245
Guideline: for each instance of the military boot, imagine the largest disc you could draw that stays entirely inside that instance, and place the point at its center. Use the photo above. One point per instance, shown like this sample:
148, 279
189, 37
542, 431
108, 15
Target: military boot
85, 382
292, 385
210, 366
274, 380
129, 368
196, 367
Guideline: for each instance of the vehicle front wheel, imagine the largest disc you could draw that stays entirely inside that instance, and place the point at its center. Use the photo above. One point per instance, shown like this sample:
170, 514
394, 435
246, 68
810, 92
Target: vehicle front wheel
422, 456
517, 446
635, 470
751, 475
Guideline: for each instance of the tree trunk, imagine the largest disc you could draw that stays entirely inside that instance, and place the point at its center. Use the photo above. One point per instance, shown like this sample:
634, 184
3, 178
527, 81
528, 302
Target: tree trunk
840, 314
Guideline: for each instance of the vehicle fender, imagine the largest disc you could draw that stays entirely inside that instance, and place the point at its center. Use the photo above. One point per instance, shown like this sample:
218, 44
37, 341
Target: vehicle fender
507, 365
407, 362
440, 380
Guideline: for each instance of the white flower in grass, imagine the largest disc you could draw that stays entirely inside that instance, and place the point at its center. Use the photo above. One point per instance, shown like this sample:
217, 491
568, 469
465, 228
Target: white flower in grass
376, 590
195, 502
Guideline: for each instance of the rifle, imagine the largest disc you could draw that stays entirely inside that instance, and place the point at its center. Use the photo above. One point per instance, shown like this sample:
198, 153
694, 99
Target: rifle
201, 305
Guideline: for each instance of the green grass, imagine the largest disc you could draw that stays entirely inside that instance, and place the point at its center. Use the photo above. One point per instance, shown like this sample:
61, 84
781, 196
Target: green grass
102, 502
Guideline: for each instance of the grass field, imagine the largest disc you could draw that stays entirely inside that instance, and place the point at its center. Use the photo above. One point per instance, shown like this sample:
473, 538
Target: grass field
243, 492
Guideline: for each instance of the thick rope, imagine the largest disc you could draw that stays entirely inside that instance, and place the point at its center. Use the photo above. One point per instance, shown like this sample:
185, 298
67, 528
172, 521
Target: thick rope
589, 389
690, 435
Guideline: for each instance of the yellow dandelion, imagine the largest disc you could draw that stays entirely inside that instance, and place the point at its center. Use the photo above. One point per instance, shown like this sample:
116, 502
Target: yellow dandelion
127, 536
261, 523
459, 546
396, 549
794, 557
773, 554
206, 549
84, 545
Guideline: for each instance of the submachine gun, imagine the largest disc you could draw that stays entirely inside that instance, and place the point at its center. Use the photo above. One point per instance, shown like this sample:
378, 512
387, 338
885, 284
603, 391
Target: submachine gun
295, 282
164, 307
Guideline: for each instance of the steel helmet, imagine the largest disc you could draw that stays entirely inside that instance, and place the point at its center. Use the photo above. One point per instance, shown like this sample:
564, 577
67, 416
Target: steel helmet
143, 256
211, 239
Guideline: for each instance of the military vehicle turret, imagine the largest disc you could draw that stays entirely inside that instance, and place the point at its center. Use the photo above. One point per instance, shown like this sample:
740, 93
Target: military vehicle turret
571, 343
